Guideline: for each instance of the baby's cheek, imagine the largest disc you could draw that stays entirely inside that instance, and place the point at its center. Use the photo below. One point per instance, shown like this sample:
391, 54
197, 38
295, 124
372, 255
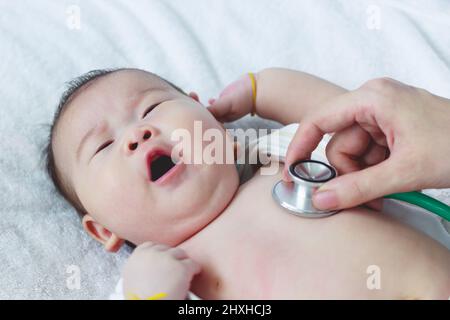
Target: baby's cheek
118, 197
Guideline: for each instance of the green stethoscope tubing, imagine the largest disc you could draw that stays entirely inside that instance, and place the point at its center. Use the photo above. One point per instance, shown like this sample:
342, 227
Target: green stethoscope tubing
422, 200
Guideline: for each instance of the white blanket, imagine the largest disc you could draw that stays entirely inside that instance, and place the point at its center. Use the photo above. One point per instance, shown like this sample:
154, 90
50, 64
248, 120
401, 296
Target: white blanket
199, 45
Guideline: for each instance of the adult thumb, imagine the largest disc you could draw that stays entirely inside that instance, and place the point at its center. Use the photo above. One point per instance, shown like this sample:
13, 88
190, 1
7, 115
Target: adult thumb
357, 187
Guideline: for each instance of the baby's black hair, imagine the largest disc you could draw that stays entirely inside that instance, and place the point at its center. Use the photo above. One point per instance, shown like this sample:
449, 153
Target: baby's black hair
73, 87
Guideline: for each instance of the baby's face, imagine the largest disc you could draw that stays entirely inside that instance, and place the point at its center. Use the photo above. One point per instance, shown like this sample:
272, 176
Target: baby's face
108, 168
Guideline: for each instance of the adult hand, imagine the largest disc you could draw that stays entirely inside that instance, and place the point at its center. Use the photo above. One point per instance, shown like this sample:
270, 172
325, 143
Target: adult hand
389, 137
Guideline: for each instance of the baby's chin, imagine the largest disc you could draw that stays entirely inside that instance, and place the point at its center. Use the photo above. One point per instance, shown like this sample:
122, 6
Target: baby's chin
189, 207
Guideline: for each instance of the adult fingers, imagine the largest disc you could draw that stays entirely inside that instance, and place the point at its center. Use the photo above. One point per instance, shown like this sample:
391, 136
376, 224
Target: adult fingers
375, 154
352, 149
376, 204
346, 149
334, 115
358, 187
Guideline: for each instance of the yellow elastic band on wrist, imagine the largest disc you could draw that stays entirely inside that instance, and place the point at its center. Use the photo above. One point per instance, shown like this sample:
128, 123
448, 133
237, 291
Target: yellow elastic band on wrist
253, 80
158, 296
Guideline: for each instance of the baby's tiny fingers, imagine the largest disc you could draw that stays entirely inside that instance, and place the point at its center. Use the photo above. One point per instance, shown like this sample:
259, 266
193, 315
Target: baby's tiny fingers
147, 244
161, 247
178, 253
211, 101
192, 266
212, 109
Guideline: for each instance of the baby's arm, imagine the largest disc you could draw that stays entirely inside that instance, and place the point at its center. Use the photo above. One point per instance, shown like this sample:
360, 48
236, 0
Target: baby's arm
282, 95
286, 95
156, 271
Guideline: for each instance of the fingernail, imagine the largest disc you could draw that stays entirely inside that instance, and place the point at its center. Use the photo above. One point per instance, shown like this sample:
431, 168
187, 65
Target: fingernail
285, 176
325, 200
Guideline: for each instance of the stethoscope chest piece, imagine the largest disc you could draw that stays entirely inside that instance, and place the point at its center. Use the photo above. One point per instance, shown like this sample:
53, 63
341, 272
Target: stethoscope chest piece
296, 196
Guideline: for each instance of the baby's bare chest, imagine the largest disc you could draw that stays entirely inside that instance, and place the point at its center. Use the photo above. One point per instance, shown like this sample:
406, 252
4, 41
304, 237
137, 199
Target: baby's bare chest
260, 250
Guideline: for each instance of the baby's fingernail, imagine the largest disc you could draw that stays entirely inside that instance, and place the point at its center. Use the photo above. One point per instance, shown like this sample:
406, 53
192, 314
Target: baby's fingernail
211, 101
325, 200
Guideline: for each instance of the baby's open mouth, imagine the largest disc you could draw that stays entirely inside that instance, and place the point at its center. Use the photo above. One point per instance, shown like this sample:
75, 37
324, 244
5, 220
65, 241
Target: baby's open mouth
159, 165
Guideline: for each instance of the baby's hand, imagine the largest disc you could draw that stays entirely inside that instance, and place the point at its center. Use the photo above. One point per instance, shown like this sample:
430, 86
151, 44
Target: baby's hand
234, 102
156, 271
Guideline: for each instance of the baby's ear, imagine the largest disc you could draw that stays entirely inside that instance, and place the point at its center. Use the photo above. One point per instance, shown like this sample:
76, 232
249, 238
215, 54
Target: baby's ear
111, 241
194, 96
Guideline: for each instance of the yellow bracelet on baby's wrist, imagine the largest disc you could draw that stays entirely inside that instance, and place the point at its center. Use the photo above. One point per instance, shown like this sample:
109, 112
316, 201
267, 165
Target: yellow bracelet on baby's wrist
158, 296
253, 81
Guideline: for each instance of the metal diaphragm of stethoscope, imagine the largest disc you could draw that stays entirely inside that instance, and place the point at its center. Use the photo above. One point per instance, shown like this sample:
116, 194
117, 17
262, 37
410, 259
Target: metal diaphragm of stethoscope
308, 175
296, 196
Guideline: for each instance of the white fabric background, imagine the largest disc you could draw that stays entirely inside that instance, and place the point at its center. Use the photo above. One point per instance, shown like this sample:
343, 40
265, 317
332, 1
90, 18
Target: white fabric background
199, 45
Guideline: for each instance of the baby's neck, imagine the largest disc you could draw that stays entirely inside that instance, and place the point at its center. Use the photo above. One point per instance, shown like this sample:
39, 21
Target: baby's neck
241, 207
198, 242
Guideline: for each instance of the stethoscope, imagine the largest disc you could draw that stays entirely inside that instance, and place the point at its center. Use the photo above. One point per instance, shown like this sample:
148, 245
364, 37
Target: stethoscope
308, 175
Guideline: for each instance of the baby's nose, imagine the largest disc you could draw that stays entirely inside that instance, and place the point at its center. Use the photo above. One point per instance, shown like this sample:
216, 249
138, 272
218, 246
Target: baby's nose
138, 137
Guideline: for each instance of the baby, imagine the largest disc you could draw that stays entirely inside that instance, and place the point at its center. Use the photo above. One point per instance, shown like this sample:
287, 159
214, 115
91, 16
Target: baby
195, 227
